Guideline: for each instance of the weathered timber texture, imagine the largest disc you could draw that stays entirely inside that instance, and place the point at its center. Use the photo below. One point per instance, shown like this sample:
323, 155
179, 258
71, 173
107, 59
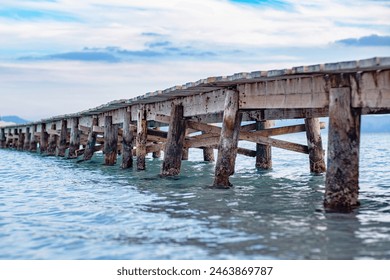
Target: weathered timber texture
156, 154
3, 139
208, 153
174, 147
142, 134
27, 137
43, 142
53, 138
33, 139
90, 148
342, 177
62, 141
74, 144
110, 141
127, 142
314, 143
227, 150
263, 152
20, 142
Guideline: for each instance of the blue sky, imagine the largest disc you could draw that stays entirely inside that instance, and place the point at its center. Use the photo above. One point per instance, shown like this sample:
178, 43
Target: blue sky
80, 54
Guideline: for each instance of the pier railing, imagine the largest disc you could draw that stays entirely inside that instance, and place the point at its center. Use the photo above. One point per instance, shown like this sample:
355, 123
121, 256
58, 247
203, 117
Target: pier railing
130, 127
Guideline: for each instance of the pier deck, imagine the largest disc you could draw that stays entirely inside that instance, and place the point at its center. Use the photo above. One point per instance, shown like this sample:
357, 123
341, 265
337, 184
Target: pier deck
341, 91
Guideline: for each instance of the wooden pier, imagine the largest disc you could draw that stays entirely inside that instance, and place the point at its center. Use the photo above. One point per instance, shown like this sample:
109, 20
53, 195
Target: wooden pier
130, 127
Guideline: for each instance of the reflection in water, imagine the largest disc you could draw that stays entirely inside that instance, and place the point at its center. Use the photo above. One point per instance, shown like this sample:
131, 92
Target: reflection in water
58, 209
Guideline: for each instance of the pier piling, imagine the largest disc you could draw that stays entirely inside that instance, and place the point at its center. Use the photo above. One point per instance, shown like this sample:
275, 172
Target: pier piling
142, 131
342, 177
33, 138
110, 141
3, 139
314, 143
43, 142
227, 149
63, 139
174, 148
53, 138
27, 138
263, 152
90, 148
127, 142
74, 144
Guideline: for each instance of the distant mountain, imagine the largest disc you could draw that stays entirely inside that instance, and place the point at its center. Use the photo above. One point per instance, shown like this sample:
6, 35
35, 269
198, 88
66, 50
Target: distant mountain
13, 119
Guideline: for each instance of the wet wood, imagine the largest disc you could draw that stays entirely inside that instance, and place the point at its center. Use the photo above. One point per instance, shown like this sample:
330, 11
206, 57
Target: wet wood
27, 138
157, 153
208, 153
33, 138
43, 142
20, 142
186, 152
342, 177
264, 151
90, 147
63, 139
53, 138
110, 141
314, 143
74, 144
174, 147
127, 142
227, 150
3, 139
142, 128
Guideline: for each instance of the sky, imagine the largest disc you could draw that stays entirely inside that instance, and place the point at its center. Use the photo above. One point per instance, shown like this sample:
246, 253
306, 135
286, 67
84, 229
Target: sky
65, 56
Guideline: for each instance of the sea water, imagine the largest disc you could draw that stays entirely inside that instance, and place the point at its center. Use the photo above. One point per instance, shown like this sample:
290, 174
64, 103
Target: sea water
53, 208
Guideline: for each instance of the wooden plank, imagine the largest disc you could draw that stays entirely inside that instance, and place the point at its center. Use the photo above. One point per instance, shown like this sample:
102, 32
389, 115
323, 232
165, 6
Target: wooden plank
342, 177
84, 129
53, 132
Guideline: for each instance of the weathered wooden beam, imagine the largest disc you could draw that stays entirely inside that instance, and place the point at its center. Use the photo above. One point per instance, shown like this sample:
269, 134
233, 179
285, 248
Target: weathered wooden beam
314, 143
27, 138
342, 177
20, 142
62, 141
84, 129
110, 141
127, 142
33, 138
74, 144
208, 153
174, 147
3, 139
90, 147
186, 152
264, 151
227, 150
43, 142
54, 132
53, 137
142, 128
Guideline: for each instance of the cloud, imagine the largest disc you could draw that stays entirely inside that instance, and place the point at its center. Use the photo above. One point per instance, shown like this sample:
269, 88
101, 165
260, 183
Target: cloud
372, 40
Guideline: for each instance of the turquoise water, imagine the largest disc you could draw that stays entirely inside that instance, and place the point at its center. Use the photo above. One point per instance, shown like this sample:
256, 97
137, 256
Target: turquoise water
53, 208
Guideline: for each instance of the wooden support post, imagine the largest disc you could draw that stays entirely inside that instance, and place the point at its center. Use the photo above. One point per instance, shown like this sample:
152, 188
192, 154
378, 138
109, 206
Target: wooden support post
33, 139
90, 148
74, 144
27, 137
3, 139
174, 147
156, 154
263, 152
127, 142
342, 177
142, 131
9, 140
227, 149
20, 143
208, 153
52, 146
314, 143
110, 141
62, 141
44, 139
